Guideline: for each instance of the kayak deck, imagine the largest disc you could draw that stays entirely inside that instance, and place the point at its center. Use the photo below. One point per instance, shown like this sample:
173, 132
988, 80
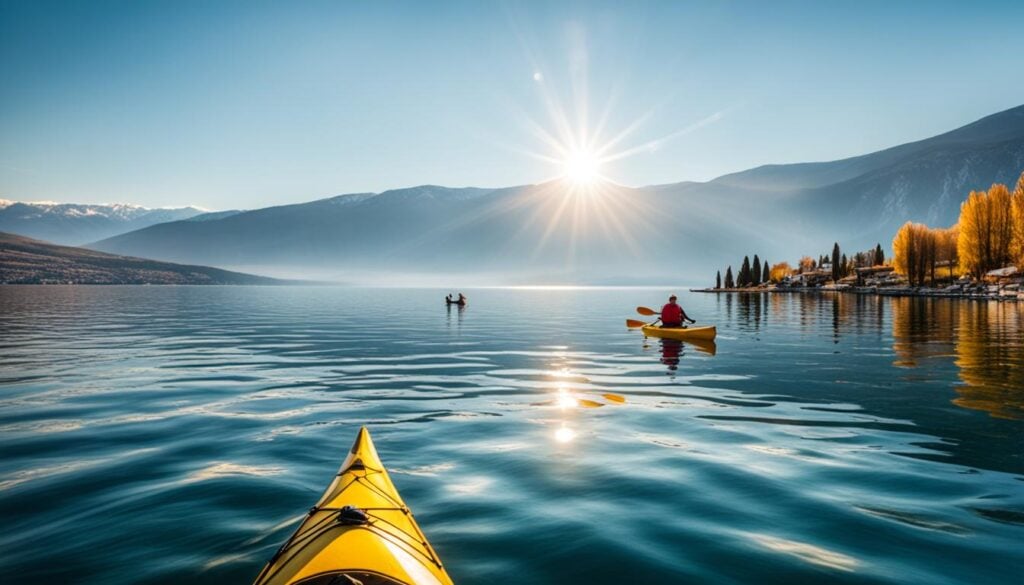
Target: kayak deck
706, 332
360, 529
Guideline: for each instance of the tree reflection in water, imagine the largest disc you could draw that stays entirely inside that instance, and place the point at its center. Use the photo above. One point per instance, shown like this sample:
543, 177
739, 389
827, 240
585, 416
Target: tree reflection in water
984, 339
922, 329
990, 355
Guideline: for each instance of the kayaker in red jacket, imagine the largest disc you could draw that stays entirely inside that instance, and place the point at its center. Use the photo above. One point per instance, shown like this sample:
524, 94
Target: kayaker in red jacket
672, 315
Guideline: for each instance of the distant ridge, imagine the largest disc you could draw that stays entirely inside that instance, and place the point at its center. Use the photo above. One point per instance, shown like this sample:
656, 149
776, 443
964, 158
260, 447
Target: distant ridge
1006, 126
27, 261
80, 223
651, 234
212, 215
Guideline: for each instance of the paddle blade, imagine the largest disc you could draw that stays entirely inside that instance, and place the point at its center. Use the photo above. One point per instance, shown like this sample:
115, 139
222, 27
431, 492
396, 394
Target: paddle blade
634, 324
614, 398
646, 311
589, 403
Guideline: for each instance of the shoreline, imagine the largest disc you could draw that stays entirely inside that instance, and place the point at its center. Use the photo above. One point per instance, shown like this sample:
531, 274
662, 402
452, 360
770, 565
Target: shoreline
973, 295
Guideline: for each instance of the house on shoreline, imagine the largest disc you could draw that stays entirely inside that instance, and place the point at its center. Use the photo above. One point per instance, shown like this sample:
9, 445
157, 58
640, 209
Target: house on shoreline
878, 276
1002, 284
822, 278
1008, 282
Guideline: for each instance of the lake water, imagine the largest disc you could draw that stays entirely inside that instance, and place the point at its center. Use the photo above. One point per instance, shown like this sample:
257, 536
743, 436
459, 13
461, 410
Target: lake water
159, 434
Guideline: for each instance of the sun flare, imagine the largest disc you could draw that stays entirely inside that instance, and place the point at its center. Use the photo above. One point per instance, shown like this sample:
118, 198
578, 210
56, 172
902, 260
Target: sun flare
582, 167
579, 199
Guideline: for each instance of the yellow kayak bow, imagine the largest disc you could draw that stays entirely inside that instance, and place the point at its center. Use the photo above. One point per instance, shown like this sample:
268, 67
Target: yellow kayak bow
360, 532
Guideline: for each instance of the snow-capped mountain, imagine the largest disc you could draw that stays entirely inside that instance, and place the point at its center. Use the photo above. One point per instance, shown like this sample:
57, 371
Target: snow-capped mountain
76, 223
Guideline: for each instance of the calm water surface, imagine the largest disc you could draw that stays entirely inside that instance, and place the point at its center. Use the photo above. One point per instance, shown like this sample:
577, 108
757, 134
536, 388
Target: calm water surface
158, 434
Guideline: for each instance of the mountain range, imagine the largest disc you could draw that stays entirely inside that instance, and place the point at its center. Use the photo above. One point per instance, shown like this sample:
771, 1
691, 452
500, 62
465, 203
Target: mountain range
923, 181
75, 223
556, 232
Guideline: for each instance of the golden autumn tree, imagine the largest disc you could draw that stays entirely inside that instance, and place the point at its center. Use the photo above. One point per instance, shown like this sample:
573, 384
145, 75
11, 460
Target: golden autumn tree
914, 252
807, 264
1018, 223
986, 230
903, 258
972, 245
946, 249
780, 271
1002, 226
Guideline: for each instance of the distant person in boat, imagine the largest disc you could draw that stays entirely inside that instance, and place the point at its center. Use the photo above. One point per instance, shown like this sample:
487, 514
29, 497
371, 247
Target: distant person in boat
451, 301
672, 315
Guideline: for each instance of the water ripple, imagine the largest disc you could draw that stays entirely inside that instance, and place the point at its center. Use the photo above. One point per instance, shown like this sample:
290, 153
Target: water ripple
181, 432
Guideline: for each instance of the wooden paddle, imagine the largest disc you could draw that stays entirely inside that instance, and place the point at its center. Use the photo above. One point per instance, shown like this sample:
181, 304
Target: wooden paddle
635, 324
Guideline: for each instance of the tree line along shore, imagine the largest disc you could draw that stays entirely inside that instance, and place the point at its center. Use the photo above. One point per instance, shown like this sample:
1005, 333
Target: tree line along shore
980, 256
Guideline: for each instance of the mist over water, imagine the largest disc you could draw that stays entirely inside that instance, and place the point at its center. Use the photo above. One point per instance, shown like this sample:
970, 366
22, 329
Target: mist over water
150, 434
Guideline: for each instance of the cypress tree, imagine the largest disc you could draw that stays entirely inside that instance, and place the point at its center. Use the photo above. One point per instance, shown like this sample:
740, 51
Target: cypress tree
728, 278
718, 279
756, 268
844, 267
744, 279
836, 270
765, 273
879, 255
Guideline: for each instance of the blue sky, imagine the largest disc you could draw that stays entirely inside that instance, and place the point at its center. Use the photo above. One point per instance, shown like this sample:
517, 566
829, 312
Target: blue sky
248, 104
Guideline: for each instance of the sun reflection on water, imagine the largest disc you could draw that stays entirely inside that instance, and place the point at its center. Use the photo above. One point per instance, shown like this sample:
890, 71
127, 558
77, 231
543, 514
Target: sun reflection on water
564, 434
565, 400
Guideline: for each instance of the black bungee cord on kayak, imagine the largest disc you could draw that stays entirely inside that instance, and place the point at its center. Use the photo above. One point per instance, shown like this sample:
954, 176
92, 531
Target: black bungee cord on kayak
352, 516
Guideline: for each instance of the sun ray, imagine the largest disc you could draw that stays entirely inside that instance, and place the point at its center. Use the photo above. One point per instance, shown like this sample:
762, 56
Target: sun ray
659, 141
622, 135
579, 210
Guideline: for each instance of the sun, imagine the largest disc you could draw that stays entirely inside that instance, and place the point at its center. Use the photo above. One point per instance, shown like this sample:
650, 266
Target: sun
582, 167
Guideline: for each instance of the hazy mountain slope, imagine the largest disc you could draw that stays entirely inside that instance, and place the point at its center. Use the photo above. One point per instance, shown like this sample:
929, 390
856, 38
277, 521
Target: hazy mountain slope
926, 188
339, 228
552, 232
864, 200
27, 261
542, 232
73, 223
997, 128
213, 215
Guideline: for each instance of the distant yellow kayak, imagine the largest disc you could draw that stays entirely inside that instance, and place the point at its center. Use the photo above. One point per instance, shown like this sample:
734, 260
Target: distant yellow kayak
360, 532
683, 333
